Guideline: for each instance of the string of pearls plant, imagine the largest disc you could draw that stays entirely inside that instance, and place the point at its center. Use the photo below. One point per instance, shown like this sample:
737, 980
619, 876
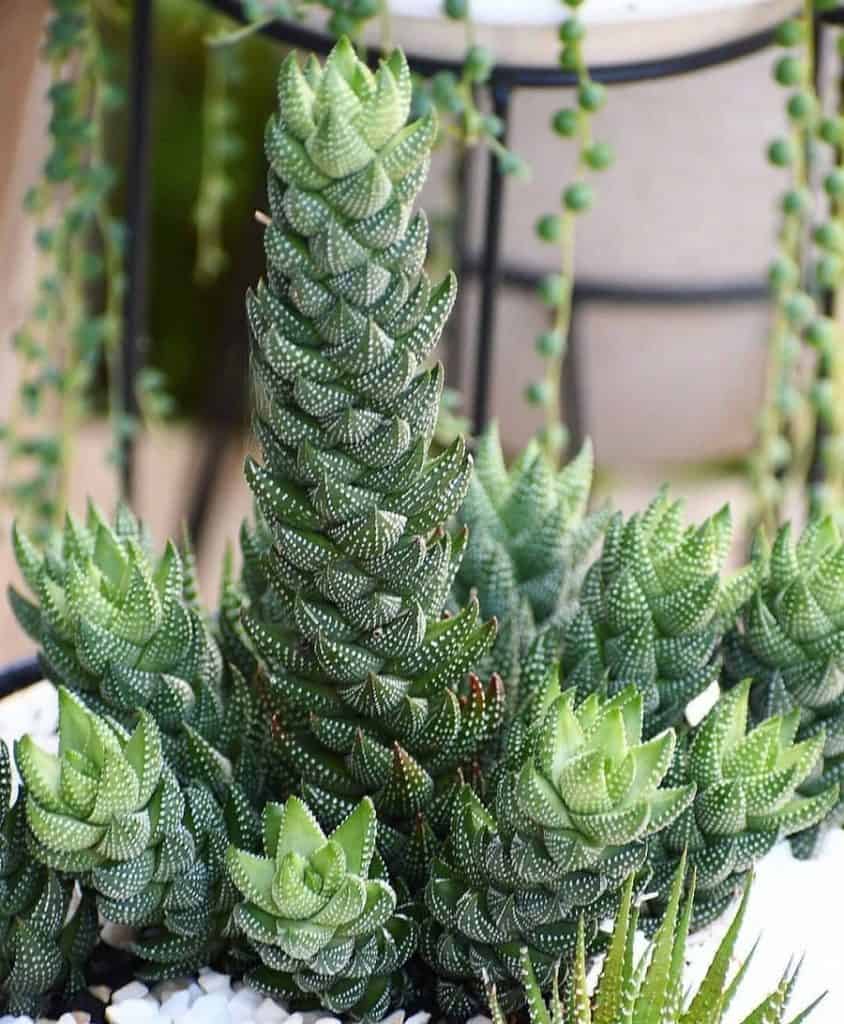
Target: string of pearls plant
560, 228
799, 439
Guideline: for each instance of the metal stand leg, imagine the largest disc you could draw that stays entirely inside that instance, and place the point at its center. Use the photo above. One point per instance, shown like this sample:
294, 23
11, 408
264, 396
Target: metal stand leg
137, 220
489, 268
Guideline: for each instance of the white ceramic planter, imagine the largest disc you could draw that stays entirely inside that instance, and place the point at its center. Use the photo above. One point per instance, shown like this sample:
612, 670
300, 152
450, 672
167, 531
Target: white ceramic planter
620, 30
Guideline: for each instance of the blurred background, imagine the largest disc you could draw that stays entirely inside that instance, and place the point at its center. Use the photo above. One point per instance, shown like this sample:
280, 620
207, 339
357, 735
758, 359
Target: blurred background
666, 392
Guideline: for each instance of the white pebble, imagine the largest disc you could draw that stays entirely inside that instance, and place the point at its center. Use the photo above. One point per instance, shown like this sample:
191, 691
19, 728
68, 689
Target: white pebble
101, 992
176, 1005
210, 1009
479, 1019
243, 1006
134, 990
396, 1017
327, 1020
133, 1011
211, 981
164, 989
270, 1013
418, 1018
294, 1018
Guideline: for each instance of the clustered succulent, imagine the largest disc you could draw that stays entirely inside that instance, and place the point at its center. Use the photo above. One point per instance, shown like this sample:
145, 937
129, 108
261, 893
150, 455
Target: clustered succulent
420, 747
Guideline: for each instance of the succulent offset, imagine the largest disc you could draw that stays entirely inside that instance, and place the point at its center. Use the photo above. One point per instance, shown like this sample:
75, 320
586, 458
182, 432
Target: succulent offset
747, 798
108, 810
43, 945
563, 835
652, 988
367, 681
529, 536
116, 626
789, 640
320, 910
653, 609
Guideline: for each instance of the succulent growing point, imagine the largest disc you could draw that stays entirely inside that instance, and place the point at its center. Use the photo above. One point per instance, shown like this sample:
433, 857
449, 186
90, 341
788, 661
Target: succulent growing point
115, 626
653, 608
789, 640
747, 799
320, 911
565, 833
652, 988
528, 538
367, 680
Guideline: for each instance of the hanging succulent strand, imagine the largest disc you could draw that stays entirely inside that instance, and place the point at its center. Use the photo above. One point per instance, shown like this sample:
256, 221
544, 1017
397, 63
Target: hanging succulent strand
221, 146
786, 426
560, 228
826, 475
74, 326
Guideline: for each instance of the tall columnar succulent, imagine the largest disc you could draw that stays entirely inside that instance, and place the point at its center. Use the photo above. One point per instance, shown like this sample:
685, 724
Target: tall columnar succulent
320, 910
653, 609
789, 640
108, 810
747, 798
652, 988
367, 681
566, 830
528, 538
114, 625
43, 946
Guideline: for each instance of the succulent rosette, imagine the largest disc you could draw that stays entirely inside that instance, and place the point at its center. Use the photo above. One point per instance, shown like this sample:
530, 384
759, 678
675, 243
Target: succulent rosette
320, 910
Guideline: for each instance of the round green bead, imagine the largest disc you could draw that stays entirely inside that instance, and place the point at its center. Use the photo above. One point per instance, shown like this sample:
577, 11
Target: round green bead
552, 289
578, 197
828, 270
555, 437
572, 30
591, 96
789, 33
599, 156
799, 309
788, 70
830, 236
565, 122
549, 227
537, 393
492, 125
549, 344
780, 152
831, 130
364, 8
457, 9
833, 183
782, 273
820, 333
796, 202
800, 106
478, 64
569, 59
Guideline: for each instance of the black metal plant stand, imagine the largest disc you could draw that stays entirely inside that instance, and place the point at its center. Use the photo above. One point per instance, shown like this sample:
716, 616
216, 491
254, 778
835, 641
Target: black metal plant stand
504, 81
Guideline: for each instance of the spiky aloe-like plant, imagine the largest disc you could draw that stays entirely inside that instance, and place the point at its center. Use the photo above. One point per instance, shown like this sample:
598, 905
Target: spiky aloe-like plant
115, 625
43, 944
320, 911
747, 799
653, 609
651, 989
109, 811
368, 683
790, 641
565, 833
